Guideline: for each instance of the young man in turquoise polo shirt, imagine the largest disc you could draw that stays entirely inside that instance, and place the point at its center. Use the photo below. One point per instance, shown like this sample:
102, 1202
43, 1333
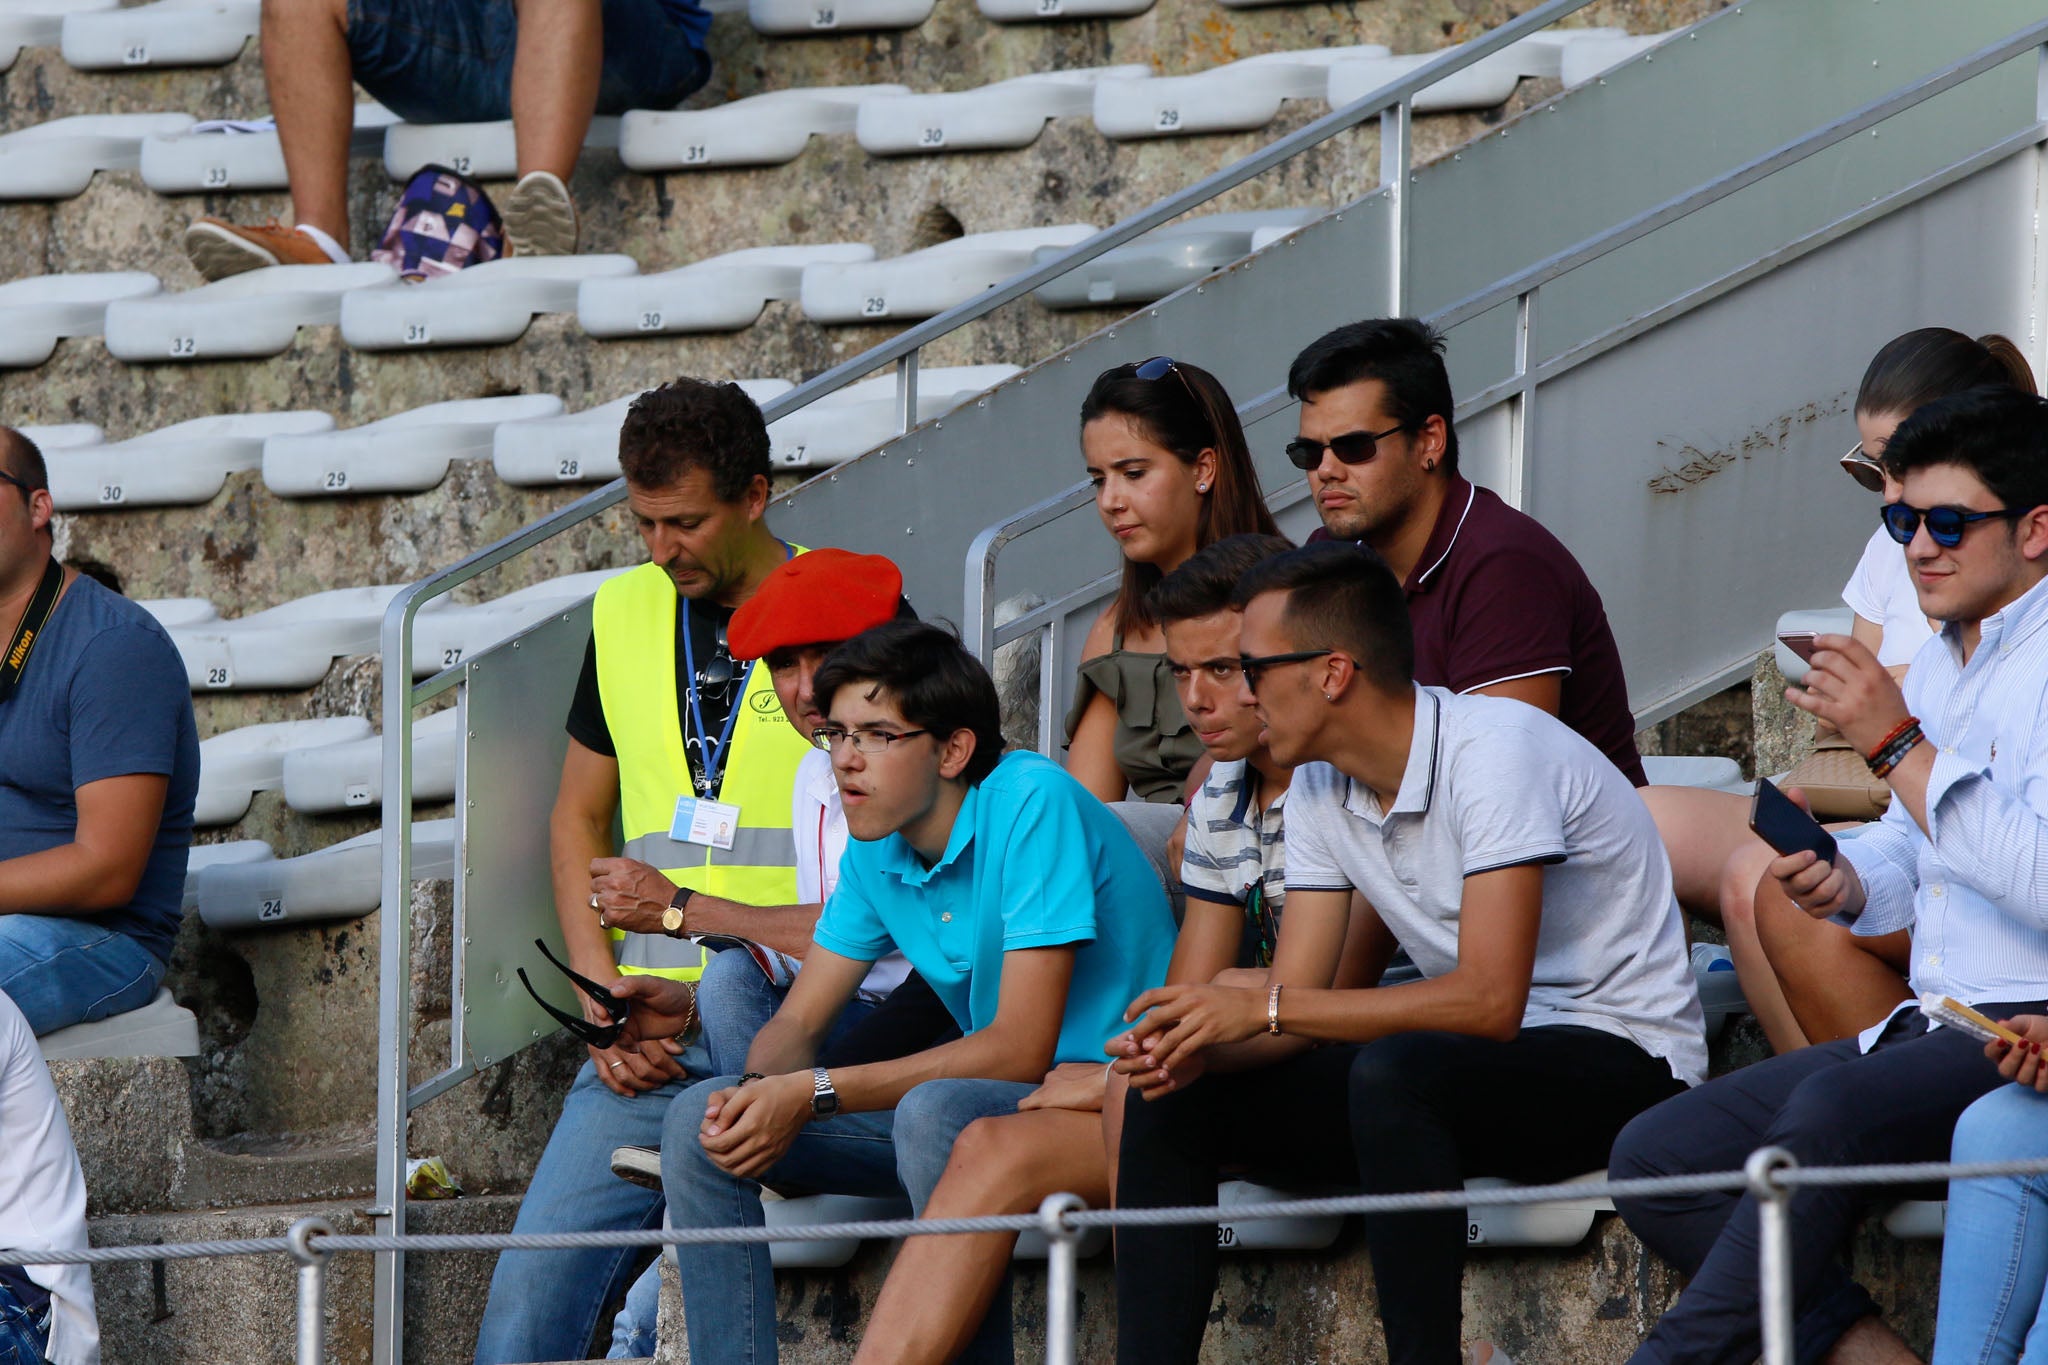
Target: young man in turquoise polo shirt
1017, 896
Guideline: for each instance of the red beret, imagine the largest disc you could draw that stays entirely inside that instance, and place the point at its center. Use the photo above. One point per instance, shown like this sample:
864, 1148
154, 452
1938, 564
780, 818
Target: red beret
817, 598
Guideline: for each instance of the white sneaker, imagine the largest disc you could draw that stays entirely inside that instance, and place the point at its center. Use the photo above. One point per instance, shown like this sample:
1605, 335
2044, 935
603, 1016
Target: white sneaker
539, 217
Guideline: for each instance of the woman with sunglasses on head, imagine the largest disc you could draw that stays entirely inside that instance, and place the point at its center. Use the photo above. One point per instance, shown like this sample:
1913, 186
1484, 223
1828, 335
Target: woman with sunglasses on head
1172, 474
1806, 980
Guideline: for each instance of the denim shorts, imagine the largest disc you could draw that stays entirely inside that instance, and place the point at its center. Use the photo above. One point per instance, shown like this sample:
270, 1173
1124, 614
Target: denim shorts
450, 61
24, 1333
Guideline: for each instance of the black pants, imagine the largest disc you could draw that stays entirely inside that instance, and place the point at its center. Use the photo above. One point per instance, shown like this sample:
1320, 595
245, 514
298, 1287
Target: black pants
1828, 1105
1415, 1111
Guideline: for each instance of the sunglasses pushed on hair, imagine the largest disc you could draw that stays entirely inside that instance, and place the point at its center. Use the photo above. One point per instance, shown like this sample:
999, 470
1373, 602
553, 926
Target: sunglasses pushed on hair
1865, 468
596, 1035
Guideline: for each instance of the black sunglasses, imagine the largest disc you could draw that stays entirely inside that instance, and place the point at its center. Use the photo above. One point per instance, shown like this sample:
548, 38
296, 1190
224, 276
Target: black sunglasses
1254, 665
1158, 367
1945, 525
26, 491
1353, 447
596, 1035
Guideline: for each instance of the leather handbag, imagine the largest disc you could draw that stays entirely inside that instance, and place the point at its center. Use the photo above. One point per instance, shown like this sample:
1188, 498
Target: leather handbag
1837, 781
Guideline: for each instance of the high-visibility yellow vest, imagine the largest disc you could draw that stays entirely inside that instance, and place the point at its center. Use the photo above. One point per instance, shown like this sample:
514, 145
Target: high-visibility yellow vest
633, 623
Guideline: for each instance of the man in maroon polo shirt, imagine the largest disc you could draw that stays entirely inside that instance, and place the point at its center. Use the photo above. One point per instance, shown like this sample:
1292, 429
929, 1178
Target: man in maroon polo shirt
1499, 605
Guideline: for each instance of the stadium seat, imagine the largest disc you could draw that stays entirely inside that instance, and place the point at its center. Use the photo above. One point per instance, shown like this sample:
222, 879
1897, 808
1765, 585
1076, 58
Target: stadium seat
811, 1209
482, 151
225, 154
162, 1028
167, 33
203, 856
1819, 620
173, 612
1594, 57
1558, 1223
1695, 770
401, 454
1165, 259
446, 638
480, 305
582, 447
791, 18
1007, 114
1271, 1234
58, 159
289, 646
721, 294
38, 312
63, 435
1917, 1219
761, 130
235, 765
349, 775
257, 313
1485, 84
1015, 11
1239, 97
179, 465
38, 23
343, 881
921, 283
859, 417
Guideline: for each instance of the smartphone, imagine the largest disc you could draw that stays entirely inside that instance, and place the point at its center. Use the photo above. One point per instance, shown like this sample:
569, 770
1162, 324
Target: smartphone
1774, 819
1956, 1015
1801, 642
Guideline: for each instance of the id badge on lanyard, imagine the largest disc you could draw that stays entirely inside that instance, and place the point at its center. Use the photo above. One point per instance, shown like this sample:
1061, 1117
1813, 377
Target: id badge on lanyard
699, 820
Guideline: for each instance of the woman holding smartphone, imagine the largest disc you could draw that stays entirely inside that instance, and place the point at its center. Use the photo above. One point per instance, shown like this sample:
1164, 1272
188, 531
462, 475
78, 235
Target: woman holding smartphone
1807, 980
1172, 474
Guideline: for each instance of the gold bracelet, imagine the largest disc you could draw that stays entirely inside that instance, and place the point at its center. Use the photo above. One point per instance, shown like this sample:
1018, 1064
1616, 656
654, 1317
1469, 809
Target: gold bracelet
1273, 1010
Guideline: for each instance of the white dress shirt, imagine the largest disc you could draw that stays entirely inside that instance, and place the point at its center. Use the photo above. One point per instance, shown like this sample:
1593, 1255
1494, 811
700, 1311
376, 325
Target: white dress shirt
818, 824
42, 1190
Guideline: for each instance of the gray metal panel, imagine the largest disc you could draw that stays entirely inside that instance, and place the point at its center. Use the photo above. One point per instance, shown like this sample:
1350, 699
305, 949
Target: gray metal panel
518, 695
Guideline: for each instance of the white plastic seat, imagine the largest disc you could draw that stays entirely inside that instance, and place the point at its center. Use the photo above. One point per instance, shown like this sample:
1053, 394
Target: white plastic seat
1695, 770
1917, 1219
328, 778
38, 312
401, 454
761, 130
203, 856
446, 638
167, 33
854, 420
180, 465
162, 1028
793, 17
582, 447
1593, 57
290, 645
722, 294
64, 435
256, 313
221, 155
38, 23
1819, 620
1485, 84
1014, 11
237, 764
1006, 114
482, 151
921, 283
1165, 259
343, 881
172, 612
482, 305
1271, 1234
1557, 1223
812, 1209
58, 159
1234, 98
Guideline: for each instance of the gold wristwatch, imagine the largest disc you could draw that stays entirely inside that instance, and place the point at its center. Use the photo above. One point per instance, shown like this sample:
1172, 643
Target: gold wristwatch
672, 918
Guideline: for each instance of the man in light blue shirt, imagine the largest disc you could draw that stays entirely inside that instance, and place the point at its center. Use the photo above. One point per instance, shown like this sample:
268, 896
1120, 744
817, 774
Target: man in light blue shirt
1961, 858
1017, 896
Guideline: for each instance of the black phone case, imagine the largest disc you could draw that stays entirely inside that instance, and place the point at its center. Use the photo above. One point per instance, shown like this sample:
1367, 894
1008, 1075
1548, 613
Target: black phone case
1774, 819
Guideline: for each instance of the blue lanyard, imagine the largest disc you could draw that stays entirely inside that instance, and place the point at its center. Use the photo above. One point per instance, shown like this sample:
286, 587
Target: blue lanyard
713, 756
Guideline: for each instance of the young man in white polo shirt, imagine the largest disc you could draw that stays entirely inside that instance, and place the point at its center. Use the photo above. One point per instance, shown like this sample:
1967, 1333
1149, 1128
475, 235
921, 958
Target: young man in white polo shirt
1525, 878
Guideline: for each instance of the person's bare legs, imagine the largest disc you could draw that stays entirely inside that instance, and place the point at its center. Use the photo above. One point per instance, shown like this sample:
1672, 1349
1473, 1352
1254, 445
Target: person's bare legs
555, 72
306, 68
1835, 983
1701, 829
939, 1287
1870, 1342
1739, 878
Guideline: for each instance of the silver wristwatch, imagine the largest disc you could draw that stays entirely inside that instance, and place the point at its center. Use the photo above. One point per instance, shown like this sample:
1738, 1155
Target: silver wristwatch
824, 1099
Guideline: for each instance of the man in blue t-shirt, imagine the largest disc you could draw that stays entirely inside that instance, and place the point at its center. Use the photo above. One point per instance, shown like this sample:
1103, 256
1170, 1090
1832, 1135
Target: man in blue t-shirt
1014, 893
99, 764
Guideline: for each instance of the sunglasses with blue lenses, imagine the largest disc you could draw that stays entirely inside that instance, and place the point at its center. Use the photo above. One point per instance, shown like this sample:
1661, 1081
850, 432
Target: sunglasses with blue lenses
1946, 526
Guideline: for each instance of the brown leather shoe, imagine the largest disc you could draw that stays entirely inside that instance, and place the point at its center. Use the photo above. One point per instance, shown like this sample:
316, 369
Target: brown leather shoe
219, 249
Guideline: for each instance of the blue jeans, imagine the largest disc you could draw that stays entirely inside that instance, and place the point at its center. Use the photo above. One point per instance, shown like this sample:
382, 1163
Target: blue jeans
62, 970
23, 1335
729, 1291
1994, 1256
450, 61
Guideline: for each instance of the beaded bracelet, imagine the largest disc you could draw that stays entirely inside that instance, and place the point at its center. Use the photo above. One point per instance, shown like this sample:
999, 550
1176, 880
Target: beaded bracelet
1877, 750
1895, 754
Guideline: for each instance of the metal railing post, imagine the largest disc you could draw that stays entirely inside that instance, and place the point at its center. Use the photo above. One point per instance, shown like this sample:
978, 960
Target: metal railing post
906, 393
1061, 1292
312, 1288
1396, 168
1774, 1248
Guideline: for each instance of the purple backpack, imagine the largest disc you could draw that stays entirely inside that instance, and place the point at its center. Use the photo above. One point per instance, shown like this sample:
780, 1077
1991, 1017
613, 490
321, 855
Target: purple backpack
443, 222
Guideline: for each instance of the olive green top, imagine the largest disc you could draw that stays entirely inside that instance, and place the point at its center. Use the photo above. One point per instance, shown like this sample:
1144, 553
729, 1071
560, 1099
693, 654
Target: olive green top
1154, 744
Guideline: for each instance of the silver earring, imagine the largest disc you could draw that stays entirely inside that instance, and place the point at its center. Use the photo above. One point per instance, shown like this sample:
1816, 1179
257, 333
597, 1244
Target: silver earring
1328, 697
1201, 488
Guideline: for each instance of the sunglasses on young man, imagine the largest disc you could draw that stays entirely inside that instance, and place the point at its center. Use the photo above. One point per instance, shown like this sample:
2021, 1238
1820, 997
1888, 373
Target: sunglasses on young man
1352, 447
1946, 526
1253, 665
596, 1035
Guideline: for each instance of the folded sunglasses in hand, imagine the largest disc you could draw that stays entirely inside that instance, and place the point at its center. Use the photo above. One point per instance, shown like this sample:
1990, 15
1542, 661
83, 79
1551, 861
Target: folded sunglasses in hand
596, 1035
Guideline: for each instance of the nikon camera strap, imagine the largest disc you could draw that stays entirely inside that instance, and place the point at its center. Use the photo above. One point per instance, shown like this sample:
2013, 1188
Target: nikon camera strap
30, 629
